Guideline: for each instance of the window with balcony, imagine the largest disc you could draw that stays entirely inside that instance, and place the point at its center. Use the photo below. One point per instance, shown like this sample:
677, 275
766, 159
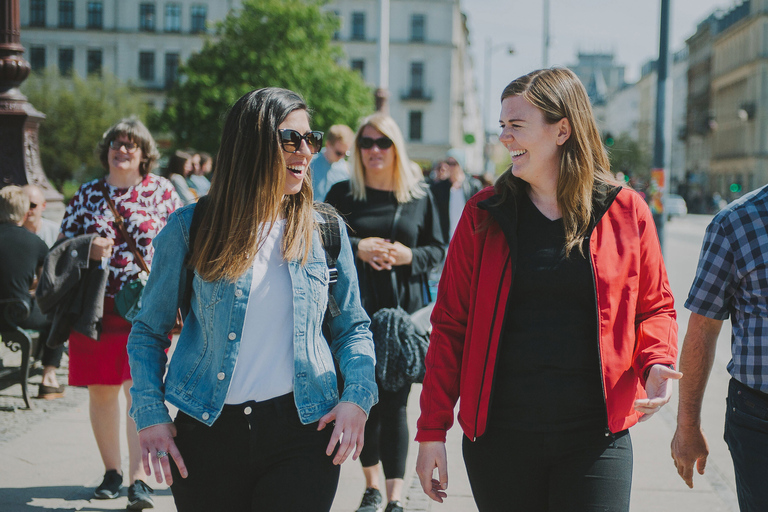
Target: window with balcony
359, 66
66, 14
417, 79
418, 24
93, 62
66, 61
147, 66
171, 69
95, 15
414, 125
37, 58
147, 17
37, 13
173, 17
199, 18
358, 26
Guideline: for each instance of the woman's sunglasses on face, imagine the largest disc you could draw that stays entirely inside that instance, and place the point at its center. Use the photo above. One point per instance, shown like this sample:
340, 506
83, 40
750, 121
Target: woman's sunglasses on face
290, 140
381, 142
130, 147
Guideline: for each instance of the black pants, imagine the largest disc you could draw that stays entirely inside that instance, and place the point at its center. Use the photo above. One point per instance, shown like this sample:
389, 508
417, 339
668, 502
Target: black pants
746, 433
39, 322
386, 433
556, 472
257, 456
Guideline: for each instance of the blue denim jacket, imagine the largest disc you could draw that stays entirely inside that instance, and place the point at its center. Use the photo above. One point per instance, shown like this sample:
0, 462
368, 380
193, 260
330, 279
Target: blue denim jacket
204, 359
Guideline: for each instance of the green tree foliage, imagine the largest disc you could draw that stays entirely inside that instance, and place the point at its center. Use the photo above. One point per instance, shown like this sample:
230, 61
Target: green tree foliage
78, 111
629, 156
280, 43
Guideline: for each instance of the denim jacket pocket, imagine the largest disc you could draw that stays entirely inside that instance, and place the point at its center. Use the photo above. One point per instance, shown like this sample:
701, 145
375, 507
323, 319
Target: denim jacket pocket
207, 293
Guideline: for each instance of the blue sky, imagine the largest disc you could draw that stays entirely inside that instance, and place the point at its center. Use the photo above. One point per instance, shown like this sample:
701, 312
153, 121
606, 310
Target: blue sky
629, 28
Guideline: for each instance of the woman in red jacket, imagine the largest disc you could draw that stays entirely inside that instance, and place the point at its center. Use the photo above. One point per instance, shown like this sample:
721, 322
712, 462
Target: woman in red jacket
554, 320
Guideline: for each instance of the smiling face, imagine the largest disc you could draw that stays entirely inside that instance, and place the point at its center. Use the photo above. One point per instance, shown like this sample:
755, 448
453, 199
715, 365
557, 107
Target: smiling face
122, 160
376, 160
533, 144
296, 164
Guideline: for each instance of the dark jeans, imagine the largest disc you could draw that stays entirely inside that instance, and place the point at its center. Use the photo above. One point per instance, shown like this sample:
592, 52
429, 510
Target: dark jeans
37, 321
386, 433
746, 433
257, 456
550, 471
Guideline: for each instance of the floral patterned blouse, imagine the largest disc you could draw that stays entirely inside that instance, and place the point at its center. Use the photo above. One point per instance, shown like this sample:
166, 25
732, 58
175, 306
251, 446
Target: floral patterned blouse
145, 208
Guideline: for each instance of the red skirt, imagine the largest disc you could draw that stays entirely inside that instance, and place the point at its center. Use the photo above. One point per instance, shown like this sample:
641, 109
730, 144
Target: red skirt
104, 361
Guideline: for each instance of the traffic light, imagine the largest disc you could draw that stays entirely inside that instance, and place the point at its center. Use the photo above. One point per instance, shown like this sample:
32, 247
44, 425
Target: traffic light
608, 139
735, 188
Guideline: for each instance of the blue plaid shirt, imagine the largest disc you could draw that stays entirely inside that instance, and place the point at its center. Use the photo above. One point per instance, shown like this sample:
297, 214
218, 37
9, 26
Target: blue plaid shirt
732, 280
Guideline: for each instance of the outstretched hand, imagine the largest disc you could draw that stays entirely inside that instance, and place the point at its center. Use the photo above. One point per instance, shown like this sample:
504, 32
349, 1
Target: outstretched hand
659, 390
348, 431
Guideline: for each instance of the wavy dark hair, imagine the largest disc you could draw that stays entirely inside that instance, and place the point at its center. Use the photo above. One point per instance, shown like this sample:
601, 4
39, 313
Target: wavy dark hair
247, 193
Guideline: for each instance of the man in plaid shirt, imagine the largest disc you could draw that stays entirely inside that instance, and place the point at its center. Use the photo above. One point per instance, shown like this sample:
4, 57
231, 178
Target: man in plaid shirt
731, 280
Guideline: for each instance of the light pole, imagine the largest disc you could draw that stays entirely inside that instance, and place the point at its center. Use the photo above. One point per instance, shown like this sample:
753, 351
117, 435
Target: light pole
490, 48
382, 93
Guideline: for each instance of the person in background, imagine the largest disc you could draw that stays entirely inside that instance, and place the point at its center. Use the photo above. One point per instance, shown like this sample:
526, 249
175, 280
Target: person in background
330, 166
21, 256
128, 153
553, 312
46, 229
731, 280
453, 193
396, 230
180, 168
202, 166
259, 408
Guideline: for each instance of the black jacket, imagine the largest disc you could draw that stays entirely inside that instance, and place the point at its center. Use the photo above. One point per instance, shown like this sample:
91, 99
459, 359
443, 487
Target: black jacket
72, 289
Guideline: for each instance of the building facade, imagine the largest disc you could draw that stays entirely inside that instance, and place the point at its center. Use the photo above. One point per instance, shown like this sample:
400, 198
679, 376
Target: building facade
432, 94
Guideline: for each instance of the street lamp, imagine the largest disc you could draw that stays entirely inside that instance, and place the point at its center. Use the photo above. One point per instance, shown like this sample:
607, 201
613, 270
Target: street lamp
490, 48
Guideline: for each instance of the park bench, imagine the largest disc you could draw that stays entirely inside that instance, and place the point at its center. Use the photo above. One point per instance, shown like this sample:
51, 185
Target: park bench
16, 339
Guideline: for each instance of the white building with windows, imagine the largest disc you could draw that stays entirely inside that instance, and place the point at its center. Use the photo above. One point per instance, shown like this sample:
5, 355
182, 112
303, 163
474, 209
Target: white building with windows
432, 94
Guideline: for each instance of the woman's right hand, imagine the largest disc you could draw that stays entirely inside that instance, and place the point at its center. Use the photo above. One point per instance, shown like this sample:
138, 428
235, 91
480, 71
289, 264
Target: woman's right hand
159, 438
101, 247
376, 252
431, 456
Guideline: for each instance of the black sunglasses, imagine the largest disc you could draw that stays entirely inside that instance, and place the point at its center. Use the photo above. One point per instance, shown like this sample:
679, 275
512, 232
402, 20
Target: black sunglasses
32, 205
130, 147
381, 142
290, 140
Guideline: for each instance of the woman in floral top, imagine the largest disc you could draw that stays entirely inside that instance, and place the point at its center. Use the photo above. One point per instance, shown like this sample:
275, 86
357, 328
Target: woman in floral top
144, 200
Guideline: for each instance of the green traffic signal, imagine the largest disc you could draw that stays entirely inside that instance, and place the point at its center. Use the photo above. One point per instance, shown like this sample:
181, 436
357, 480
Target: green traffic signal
735, 188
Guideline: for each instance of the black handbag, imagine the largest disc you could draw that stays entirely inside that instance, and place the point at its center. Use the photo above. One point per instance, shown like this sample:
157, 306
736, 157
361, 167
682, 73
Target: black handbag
401, 339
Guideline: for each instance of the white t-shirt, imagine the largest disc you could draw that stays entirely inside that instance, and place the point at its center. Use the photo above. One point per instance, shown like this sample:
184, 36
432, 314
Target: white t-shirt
456, 203
264, 367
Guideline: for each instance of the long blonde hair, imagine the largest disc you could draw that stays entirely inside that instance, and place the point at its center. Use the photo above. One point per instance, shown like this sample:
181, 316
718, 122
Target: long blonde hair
247, 190
584, 163
408, 180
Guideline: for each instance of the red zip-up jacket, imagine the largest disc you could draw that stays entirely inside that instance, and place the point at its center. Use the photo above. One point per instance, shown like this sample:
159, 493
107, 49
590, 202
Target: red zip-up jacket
637, 324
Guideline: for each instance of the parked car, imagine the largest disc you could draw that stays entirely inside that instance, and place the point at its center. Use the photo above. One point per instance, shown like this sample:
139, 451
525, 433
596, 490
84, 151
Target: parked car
674, 206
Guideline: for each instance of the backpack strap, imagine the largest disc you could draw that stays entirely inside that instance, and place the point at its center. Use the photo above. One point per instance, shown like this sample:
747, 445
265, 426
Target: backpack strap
197, 218
330, 232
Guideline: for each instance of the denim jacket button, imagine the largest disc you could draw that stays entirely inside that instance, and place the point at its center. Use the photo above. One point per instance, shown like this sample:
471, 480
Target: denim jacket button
73, 253
232, 336
206, 415
220, 376
238, 293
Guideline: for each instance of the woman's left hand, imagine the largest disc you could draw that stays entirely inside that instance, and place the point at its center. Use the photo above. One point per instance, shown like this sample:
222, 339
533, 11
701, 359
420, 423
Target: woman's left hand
401, 254
659, 390
348, 431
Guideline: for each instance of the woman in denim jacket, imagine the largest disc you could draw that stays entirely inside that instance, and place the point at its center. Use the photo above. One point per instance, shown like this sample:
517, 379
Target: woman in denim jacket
252, 374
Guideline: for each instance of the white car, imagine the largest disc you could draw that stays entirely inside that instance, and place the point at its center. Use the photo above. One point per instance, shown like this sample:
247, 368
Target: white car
674, 206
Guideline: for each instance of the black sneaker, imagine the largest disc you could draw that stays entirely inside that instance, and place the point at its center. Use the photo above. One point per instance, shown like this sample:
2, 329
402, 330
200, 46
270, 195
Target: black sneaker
110, 486
140, 496
394, 506
372, 501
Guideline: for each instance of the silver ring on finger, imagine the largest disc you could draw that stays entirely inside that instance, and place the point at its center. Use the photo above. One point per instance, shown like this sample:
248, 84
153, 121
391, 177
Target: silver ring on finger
161, 454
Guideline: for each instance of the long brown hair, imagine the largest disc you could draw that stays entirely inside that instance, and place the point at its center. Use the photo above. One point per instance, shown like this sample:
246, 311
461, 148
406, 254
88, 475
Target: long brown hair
584, 163
246, 195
